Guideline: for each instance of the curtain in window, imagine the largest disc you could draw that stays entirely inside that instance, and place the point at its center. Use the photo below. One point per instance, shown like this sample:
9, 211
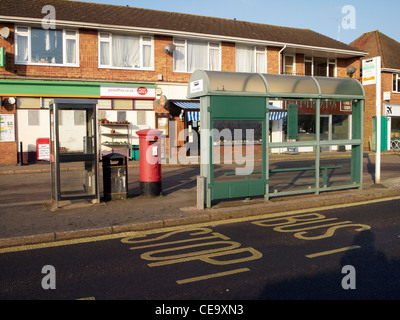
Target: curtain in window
146, 56
71, 51
244, 58
22, 53
197, 56
126, 51
260, 62
105, 59
179, 58
214, 58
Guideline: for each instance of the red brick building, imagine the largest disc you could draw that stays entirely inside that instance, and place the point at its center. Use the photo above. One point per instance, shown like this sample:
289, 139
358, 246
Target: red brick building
378, 44
130, 59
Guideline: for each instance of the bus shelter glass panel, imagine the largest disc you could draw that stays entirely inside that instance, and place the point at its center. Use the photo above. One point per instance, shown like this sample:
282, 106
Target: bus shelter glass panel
291, 174
237, 150
74, 149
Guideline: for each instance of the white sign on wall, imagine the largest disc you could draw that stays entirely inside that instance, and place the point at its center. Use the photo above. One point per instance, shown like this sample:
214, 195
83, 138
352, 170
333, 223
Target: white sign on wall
391, 110
133, 92
369, 69
7, 128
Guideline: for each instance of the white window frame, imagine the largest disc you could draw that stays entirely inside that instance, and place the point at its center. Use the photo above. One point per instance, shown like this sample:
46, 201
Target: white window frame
256, 50
183, 43
143, 43
332, 63
309, 59
396, 76
328, 62
28, 34
294, 63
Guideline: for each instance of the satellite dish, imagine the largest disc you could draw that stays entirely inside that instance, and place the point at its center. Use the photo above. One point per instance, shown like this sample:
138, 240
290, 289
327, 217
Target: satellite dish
169, 48
5, 33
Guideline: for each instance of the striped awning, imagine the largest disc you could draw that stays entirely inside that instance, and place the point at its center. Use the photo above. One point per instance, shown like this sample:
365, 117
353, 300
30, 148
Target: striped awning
277, 115
193, 115
187, 105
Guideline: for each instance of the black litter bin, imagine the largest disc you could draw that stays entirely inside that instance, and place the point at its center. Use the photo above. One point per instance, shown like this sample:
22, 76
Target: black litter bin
115, 177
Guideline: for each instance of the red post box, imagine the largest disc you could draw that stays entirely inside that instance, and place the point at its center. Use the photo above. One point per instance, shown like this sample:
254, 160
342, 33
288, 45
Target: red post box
150, 162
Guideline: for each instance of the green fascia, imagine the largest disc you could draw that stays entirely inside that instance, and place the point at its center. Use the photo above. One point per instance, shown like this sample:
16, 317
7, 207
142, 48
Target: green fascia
54, 88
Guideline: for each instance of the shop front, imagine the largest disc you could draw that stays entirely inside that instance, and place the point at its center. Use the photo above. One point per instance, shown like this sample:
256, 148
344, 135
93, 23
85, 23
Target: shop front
187, 114
126, 108
392, 129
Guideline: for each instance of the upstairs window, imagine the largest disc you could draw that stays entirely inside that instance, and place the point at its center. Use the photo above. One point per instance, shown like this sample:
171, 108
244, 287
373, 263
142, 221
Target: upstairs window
46, 47
126, 52
396, 83
320, 67
251, 59
191, 55
289, 65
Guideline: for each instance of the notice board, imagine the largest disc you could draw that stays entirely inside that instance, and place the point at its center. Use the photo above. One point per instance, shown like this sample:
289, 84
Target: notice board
7, 127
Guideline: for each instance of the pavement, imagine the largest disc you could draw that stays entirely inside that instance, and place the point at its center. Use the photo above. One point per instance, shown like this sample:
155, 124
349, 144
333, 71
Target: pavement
27, 217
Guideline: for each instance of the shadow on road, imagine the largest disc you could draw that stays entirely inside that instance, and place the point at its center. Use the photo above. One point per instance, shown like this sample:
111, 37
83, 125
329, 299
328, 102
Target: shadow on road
377, 278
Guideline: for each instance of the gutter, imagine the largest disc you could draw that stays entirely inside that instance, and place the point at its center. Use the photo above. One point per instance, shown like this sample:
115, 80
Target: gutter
279, 58
174, 33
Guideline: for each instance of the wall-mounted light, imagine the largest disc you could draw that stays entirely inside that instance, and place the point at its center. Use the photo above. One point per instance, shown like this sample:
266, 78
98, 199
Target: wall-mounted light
181, 115
169, 48
11, 100
351, 70
5, 33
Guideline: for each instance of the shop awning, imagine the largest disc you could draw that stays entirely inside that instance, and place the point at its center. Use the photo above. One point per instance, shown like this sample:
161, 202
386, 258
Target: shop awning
187, 105
277, 115
193, 115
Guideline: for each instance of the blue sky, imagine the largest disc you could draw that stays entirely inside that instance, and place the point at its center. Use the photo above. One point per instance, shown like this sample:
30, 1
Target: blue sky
318, 15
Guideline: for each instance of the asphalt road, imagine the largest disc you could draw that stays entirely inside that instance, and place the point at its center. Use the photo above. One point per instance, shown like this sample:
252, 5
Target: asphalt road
296, 256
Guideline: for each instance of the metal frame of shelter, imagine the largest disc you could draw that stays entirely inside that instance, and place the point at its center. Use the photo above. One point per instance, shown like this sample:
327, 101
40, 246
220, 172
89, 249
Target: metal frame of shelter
246, 96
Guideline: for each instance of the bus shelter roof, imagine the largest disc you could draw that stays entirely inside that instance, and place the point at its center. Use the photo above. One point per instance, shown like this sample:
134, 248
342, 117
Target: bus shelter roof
209, 83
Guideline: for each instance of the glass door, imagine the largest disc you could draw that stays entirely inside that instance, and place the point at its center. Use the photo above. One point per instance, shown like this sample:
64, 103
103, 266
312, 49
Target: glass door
74, 132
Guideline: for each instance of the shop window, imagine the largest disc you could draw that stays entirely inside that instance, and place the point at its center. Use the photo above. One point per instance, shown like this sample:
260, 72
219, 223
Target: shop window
28, 103
306, 128
126, 52
44, 47
144, 105
123, 104
192, 55
340, 127
121, 116
141, 118
251, 59
33, 118
104, 103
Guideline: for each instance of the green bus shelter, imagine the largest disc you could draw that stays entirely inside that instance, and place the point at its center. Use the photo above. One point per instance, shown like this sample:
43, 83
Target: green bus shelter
235, 149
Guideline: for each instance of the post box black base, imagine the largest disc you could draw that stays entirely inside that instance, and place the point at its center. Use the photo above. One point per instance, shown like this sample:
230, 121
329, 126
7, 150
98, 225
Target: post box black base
150, 189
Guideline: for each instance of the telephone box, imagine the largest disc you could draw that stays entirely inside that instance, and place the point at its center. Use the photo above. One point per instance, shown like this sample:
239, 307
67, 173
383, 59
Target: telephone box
150, 162
73, 150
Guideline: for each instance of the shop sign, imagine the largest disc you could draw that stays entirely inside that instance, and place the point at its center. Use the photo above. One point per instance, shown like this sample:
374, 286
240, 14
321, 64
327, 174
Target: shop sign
369, 67
391, 110
346, 106
128, 92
